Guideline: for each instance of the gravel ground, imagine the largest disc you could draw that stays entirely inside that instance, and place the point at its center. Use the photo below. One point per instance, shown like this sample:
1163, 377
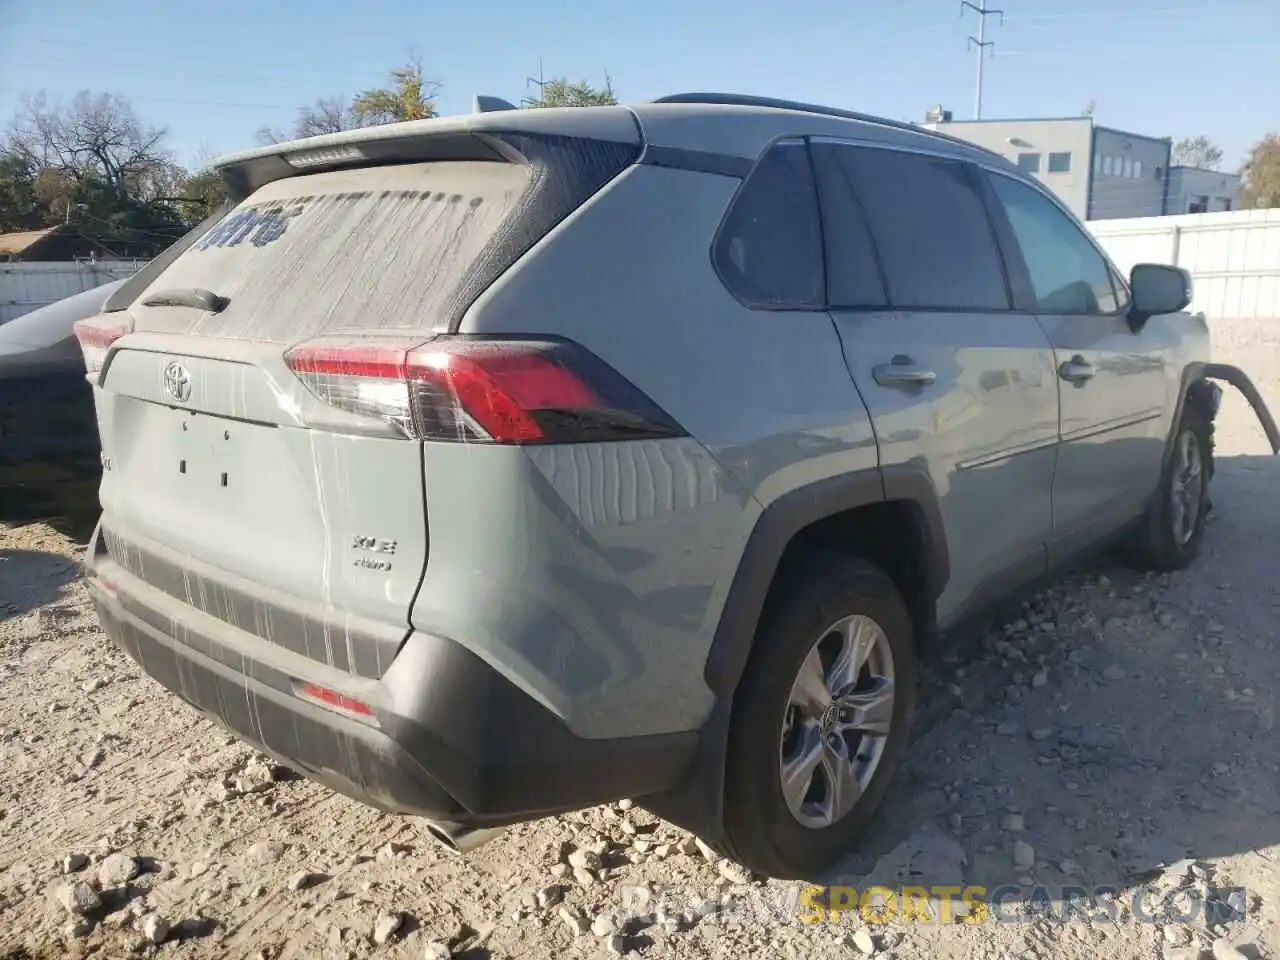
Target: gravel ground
1119, 734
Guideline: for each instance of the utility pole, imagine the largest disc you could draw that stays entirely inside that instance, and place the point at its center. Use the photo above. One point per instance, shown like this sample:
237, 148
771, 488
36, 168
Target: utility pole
981, 43
539, 82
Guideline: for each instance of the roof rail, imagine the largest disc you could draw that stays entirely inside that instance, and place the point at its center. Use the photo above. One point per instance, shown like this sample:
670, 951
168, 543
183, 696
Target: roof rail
747, 100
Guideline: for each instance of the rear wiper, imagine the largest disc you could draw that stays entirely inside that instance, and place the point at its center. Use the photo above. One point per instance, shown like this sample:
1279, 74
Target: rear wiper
196, 297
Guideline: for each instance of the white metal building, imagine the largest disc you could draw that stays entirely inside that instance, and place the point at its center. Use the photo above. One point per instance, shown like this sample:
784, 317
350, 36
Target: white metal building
1196, 190
1099, 172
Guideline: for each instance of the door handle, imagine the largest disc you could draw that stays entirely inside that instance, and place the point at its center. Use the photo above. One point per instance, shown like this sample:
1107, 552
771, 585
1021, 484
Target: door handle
1077, 370
902, 371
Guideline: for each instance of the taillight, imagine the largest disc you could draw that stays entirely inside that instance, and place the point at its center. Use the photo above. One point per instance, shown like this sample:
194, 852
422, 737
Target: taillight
95, 342
484, 390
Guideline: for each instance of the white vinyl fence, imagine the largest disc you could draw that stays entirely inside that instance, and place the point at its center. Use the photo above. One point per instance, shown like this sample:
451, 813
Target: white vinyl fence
28, 286
1233, 257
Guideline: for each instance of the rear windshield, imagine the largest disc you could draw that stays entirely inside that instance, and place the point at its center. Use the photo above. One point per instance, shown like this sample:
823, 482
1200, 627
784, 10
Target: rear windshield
349, 250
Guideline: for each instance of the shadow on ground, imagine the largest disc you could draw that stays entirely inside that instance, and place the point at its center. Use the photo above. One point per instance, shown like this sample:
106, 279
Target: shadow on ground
1149, 738
30, 579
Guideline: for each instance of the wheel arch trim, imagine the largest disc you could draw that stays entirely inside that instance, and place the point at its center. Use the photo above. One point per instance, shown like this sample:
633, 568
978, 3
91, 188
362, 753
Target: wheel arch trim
697, 804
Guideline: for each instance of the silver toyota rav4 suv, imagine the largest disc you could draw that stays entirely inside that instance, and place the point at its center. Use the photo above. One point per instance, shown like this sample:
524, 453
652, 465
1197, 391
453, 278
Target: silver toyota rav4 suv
499, 465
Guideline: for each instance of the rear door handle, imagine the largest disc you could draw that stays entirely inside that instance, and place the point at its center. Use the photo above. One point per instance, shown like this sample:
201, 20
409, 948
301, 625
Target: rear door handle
1076, 370
902, 371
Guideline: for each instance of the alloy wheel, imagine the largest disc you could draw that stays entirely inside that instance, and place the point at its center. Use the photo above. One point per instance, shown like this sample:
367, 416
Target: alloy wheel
837, 721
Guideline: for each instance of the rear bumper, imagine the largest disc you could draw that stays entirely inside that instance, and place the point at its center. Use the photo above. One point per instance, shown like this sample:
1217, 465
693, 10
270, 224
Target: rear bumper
450, 738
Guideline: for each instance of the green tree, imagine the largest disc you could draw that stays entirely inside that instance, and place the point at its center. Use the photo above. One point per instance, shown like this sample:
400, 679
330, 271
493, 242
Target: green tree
408, 97
20, 207
205, 192
559, 92
1197, 152
1261, 173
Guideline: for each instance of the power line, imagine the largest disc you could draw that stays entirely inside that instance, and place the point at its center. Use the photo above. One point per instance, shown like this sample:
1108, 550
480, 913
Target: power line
981, 43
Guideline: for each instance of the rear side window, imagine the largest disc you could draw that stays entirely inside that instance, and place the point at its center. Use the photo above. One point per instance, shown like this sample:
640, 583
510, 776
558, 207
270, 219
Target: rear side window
769, 248
1067, 273
930, 227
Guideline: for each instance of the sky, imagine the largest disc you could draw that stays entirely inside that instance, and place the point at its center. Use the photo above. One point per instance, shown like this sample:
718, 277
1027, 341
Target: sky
212, 73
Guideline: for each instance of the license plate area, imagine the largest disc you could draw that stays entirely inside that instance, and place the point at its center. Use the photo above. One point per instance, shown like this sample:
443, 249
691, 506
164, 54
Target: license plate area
210, 453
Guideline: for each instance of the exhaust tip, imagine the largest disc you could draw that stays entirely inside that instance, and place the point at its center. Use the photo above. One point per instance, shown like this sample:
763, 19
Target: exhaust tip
459, 839
441, 836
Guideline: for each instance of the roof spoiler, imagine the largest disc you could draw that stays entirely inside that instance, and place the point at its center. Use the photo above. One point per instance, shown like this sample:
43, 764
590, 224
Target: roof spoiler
486, 104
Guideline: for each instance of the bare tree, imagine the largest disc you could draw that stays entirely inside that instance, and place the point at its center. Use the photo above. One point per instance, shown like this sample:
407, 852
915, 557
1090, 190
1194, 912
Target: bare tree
1197, 152
266, 135
327, 115
93, 137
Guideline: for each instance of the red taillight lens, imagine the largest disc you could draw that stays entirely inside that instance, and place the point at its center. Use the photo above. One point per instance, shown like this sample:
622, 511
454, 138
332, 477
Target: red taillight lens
481, 390
95, 342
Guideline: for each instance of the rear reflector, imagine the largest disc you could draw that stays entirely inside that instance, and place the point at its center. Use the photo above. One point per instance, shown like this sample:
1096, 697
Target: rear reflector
481, 390
335, 699
95, 342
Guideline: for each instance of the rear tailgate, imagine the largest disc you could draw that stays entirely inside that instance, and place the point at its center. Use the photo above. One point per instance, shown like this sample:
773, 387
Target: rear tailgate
216, 451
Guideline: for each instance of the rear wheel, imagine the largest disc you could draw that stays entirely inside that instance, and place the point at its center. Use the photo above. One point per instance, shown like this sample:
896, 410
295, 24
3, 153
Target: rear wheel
821, 717
1172, 532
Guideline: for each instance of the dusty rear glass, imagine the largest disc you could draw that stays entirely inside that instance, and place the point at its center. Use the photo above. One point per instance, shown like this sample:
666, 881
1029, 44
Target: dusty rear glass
376, 248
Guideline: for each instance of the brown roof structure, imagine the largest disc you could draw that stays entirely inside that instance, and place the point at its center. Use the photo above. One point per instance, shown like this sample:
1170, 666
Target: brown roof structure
61, 242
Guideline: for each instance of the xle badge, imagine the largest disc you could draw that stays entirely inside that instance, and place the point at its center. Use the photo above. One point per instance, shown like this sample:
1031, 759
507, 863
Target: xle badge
372, 545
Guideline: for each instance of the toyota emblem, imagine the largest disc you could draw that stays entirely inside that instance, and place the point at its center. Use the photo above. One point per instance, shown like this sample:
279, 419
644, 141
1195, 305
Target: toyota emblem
177, 381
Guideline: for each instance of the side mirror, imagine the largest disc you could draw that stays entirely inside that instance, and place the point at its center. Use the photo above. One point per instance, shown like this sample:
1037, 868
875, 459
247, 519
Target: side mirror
1156, 289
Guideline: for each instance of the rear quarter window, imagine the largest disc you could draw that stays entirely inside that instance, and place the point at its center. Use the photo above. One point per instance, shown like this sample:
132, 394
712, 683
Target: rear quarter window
768, 251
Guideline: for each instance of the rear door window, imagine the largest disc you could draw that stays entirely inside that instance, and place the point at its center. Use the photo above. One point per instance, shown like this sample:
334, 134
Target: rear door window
854, 278
769, 249
374, 248
930, 227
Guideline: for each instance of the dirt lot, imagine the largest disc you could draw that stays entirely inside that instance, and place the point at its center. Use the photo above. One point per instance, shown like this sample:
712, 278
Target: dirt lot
1120, 734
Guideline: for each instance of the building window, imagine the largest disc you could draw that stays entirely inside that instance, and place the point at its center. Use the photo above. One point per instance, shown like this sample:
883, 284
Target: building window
1029, 162
1059, 163
1107, 165
1226, 203
1097, 161
1137, 169
1159, 172
1127, 168
1198, 204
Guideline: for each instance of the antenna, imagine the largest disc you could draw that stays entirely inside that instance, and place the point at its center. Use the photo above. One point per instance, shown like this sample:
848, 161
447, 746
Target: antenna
981, 43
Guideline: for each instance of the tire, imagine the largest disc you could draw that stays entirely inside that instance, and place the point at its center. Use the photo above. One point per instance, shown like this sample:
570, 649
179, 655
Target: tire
761, 830
1166, 540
